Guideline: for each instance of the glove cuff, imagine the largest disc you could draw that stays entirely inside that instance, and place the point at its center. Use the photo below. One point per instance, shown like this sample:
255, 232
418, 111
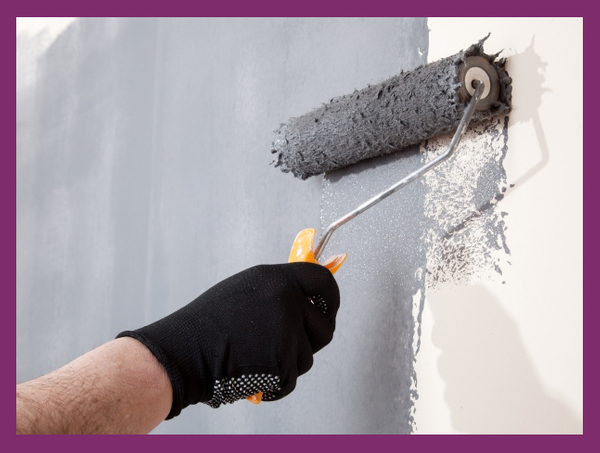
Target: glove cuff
177, 381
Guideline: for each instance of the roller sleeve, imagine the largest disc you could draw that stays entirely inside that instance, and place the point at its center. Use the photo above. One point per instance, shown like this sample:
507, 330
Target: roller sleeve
393, 115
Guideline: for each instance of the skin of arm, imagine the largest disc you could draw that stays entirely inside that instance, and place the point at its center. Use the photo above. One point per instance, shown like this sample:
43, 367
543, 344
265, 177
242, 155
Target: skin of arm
117, 388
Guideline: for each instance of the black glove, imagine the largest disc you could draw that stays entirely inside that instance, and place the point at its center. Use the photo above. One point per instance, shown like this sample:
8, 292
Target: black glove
254, 332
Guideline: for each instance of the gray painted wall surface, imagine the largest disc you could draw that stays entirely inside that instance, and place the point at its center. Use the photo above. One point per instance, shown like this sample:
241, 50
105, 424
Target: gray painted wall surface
144, 177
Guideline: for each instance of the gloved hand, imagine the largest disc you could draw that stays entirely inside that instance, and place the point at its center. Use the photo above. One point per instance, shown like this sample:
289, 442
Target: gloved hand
254, 332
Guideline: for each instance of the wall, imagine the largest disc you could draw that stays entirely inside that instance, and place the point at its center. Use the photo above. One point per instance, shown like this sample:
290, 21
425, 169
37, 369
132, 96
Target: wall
143, 178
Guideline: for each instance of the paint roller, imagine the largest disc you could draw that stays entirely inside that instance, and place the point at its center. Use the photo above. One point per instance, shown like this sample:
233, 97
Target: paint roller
405, 110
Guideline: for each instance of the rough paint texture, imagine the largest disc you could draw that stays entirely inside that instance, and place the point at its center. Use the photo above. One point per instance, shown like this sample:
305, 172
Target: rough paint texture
466, 236
400, 112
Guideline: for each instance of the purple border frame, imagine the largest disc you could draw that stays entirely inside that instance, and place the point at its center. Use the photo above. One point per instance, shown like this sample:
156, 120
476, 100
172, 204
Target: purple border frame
338, 8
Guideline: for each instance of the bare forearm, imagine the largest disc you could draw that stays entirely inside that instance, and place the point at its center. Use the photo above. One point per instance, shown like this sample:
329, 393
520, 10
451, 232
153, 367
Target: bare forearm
118, 388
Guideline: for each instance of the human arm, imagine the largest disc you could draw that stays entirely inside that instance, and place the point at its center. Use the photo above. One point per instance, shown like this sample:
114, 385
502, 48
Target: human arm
254, 332
117, 388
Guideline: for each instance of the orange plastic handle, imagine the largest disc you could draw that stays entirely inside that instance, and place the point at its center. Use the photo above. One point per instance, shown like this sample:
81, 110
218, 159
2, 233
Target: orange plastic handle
302, 251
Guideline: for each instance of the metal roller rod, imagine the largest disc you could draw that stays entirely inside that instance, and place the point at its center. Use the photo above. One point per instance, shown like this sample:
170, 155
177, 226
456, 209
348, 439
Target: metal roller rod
462, 127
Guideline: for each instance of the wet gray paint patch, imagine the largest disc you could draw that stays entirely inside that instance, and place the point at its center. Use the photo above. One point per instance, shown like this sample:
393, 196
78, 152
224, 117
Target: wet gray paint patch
377, 283
379, 279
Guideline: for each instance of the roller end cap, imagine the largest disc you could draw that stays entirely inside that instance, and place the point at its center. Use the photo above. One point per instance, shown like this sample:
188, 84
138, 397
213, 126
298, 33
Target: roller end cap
477, 68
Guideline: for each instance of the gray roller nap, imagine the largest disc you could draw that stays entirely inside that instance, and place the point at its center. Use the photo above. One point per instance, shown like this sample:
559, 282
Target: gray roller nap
400, 112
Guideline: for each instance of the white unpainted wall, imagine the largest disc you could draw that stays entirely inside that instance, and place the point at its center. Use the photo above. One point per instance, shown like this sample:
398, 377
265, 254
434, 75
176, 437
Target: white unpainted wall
506, 356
